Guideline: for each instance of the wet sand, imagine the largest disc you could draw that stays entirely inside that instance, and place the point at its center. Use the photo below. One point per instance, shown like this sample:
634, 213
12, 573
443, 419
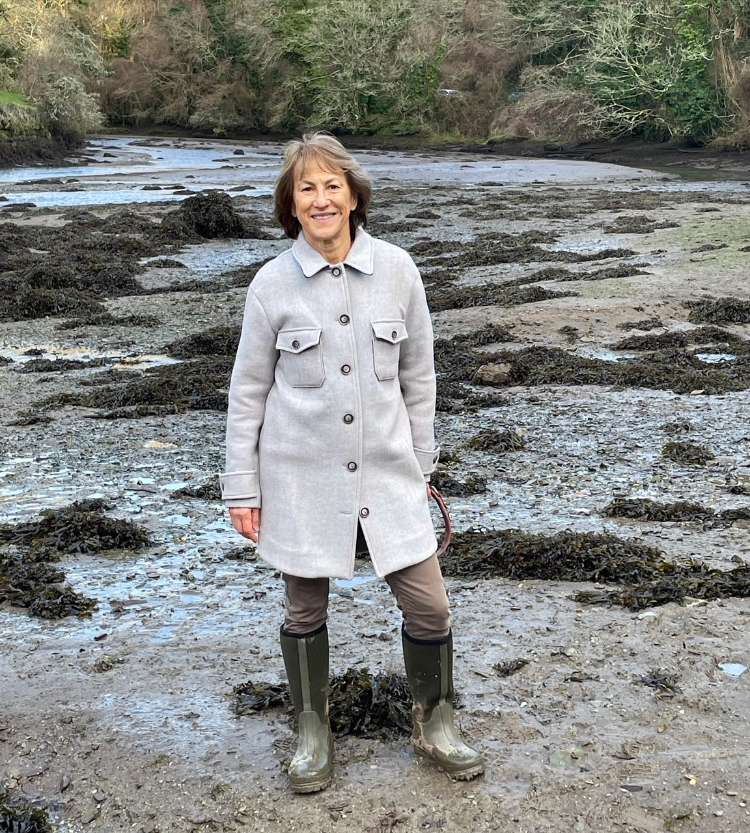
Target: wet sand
125, 721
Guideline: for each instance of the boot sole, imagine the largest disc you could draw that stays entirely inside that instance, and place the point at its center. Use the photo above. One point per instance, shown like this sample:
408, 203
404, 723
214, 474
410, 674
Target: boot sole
456, 774
314, 787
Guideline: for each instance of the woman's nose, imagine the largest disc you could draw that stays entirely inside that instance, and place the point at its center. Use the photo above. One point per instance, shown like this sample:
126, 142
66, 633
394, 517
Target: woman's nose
320, 198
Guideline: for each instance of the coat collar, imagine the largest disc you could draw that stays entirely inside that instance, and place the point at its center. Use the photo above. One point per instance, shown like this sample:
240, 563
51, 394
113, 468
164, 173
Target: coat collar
360, 257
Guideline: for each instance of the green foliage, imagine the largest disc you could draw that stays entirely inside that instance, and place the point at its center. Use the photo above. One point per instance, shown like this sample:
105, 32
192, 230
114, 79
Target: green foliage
15, 100
346, 65
584, 68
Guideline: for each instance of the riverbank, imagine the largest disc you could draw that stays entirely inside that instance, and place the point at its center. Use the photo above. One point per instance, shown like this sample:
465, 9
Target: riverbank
592, 717
15, 152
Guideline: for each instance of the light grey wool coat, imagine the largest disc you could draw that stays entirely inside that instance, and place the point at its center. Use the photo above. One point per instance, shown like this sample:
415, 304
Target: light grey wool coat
332, 409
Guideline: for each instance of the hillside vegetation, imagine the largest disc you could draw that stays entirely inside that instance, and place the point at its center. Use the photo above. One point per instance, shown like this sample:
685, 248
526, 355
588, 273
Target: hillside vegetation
557, 70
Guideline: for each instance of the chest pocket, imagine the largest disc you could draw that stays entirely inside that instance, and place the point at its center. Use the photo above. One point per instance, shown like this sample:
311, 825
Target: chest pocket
301, 357
386, 347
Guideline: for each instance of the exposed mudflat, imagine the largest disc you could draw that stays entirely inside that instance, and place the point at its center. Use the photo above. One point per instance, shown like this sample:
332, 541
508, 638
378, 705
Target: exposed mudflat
620, 720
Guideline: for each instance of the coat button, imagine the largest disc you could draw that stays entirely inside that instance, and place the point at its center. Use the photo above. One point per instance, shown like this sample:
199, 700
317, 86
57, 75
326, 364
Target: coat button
295, 344
345, 368
394, 334
348, 419
336, 272
351, 466
364, 512
344, 319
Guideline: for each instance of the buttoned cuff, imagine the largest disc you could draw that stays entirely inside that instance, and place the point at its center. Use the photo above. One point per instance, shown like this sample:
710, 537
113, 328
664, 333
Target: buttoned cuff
240, 486
427, 460
240, 503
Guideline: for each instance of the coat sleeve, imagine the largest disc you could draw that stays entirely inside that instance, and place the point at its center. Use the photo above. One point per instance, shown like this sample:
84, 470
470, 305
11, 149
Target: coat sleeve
417, 378
252, 379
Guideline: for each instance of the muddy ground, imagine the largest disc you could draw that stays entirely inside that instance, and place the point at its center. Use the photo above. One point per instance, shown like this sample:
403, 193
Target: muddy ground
620, 720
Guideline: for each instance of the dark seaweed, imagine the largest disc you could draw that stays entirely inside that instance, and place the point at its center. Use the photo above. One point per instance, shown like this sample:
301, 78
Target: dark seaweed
647, 579
497, 441
450, 486
682, 338
218, 341
684, 451
637, 225
488, 294
674, 370
360, 703
58, 365
509, 667
19, 817
28, 578
207, 491
664, 682
79, 528
649, 510
719, 311
644, 324
106, 319
200, 385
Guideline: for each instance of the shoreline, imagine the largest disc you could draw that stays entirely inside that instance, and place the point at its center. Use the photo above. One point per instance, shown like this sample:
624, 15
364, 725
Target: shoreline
39, 150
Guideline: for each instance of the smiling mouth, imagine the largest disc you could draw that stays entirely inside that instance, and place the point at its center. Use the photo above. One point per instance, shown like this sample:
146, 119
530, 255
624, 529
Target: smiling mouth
322, 216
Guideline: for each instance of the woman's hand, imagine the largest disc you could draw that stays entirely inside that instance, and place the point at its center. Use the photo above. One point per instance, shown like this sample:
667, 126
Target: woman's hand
246, 522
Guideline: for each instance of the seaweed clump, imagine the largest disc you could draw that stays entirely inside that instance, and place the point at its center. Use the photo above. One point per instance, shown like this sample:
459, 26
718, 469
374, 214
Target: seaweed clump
682, 510
79, 528
664, 683
487, 295
28, 578
649, 510
644, 324
497, 441
701, 335
217, 341
199, 385
450, 486
673, 370
207, 491
209, 215
22, 818
719, 311
360, 703
509, 667
687, 452
646, 579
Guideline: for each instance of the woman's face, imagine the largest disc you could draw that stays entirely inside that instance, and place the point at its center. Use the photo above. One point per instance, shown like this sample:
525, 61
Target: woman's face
323, 202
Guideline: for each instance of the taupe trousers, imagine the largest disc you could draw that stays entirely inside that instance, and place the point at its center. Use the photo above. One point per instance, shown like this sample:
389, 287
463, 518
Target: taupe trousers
419, 591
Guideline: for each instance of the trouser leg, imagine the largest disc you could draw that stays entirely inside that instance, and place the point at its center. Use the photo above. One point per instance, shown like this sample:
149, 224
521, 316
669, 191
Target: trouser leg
421, 598
305, 604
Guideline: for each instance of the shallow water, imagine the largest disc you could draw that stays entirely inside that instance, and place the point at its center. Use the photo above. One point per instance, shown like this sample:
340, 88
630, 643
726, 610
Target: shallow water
133, 163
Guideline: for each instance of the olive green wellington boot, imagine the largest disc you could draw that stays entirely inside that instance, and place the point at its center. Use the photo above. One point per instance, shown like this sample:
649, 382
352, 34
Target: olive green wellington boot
306, 661
429, 669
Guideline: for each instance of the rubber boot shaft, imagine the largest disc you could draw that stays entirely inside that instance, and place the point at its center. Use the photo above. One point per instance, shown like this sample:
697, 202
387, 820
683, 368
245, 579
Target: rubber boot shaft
306, 661
429, 670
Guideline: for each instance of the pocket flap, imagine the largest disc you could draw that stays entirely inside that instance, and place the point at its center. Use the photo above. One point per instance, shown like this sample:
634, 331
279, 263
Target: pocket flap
393, 331
295, 341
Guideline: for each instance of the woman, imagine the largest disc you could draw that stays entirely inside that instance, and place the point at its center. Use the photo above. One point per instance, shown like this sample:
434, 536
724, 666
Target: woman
331, 422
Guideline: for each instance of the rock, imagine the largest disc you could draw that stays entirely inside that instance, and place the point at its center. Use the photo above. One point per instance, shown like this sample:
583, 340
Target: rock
209, 215
87, 816
493, 374
239, 152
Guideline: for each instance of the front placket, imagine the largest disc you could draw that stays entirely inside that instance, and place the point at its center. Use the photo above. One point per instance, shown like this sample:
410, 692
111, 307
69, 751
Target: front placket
355, 377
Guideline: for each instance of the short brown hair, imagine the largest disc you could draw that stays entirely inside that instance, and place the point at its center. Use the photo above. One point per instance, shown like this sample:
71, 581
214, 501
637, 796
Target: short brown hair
330, 155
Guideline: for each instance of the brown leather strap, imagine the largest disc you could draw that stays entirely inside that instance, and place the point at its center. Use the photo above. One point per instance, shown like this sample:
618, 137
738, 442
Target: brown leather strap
448, 526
